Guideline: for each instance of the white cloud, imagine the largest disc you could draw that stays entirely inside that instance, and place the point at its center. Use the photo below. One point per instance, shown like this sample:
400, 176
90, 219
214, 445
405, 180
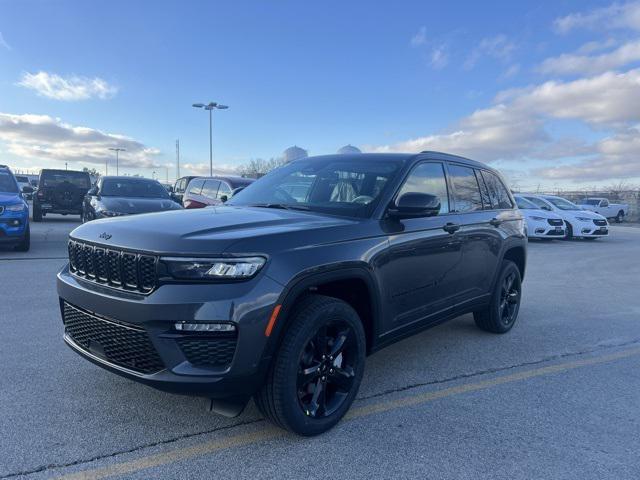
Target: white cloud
419, 38
439, 57
498, 47
69, 88
510, 72
614, 16
41, 137
3, 42
203, 168
575, 64
513, 129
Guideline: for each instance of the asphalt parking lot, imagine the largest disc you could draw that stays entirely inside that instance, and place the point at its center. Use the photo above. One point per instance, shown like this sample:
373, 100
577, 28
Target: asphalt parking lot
557, 397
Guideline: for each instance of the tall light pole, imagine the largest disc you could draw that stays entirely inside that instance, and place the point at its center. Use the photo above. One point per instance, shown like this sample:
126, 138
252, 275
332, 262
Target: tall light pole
117, 150
210, 106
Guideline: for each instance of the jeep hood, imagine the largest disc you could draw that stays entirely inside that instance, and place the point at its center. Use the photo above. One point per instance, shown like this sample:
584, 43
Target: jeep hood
206, 231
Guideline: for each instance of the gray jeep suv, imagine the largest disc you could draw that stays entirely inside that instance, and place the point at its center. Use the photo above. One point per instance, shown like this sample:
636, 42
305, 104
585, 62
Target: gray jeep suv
282, 293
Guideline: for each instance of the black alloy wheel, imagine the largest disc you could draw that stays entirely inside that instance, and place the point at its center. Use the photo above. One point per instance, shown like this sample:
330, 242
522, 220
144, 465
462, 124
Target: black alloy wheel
326, 370
317, 371
509, 298
501, 314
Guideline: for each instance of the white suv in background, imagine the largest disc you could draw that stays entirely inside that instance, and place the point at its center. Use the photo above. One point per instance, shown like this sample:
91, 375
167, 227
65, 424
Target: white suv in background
540, 223
580, 223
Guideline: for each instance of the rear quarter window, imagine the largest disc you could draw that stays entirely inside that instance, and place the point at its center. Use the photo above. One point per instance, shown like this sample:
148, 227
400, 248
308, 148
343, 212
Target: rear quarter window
498, 193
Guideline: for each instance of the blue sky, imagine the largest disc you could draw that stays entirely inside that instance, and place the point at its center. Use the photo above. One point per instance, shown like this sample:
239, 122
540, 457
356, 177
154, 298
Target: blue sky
464, 77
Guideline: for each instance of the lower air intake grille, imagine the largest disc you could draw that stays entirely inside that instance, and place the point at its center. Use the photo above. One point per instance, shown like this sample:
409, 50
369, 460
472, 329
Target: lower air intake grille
210, 352
122, 344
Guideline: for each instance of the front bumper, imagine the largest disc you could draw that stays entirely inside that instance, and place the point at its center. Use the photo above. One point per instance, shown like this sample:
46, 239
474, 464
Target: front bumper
589, 229
544, 230
13, 226
176, 364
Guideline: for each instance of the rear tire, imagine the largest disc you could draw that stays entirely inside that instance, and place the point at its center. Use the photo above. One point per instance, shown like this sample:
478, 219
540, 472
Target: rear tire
620, 217
25, 243
318, 368
37, 213
501, 314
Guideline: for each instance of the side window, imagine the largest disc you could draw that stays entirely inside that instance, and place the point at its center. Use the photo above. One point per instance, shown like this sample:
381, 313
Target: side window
605, 203
224, 190
195, 186
484, 192
498, 192
210, 188
428, 178
466, 189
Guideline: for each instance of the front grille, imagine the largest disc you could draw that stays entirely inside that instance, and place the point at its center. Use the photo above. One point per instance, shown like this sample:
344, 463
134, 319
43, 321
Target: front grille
114, 267
208, 352
555, 222
600, 223
119, 343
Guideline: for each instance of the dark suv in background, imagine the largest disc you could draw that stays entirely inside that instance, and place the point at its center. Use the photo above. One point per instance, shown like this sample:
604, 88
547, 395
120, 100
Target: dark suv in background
281, 293
60, 191
210, 191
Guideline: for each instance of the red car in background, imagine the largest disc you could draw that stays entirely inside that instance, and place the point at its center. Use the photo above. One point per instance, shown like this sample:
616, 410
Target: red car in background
205, 191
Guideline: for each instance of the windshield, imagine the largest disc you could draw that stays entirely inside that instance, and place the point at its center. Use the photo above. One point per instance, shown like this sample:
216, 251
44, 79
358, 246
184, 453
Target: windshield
77, 179
338, 187
125, 187
590, 201
524, 204
22, 179
7, 183
563, 204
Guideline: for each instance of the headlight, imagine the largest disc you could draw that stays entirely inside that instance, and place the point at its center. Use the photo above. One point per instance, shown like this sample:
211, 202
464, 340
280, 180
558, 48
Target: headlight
108, 213
16, 207
538, 219
213, 268
584, 219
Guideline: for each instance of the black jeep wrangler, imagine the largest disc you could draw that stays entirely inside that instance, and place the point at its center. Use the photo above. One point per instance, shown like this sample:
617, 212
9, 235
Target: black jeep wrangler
60, 191
282, 292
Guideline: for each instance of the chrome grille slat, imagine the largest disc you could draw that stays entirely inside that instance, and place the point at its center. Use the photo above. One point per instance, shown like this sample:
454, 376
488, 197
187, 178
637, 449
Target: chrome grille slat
132, 272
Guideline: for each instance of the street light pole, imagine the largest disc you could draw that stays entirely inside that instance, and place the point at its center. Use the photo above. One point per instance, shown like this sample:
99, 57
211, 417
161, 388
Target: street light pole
118, 150
210, 106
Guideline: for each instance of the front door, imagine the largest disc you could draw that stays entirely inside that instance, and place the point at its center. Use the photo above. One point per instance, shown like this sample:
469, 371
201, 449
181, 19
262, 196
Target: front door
423, 253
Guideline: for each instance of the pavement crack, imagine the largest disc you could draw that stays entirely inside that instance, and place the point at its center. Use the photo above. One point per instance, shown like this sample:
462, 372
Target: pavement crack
55, 466
462, 376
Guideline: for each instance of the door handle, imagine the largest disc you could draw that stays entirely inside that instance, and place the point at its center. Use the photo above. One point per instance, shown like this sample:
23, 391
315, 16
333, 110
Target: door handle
495, 222
451, 227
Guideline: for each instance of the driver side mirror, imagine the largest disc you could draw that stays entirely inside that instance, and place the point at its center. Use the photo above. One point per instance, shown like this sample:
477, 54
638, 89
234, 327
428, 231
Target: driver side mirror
415, 205
223, 198
27, 189
93, 191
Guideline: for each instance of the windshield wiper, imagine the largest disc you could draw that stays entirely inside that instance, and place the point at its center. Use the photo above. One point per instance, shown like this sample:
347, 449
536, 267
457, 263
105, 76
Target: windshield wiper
283, 206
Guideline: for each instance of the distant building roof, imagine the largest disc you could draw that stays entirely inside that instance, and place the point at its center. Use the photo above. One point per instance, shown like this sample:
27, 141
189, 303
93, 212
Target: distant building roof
349, 149
294, 153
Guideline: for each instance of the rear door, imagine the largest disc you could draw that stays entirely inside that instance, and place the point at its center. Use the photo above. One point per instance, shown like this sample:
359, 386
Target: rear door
418, 271
479, 238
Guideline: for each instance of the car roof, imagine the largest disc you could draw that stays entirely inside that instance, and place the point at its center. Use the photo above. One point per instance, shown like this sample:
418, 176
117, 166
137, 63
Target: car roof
402, 157
61, 170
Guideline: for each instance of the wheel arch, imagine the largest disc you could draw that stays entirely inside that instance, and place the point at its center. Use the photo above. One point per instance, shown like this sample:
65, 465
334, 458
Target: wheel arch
354, 285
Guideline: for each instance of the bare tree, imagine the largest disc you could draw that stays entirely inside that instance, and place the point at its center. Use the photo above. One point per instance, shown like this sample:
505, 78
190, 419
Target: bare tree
256, 167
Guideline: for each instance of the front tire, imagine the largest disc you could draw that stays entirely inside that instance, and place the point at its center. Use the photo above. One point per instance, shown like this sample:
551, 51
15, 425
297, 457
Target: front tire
316, 374
501, 315
25, 243
569, 234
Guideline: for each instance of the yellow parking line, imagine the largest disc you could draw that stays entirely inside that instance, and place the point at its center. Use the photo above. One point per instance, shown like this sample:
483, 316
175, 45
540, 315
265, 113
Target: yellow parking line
269, 432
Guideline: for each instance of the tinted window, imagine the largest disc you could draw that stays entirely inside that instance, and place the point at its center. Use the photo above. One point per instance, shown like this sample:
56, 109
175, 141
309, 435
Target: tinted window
466, 189
7, 183
125, 187
428, 178
22, 179
224, 190
484, 192
53, 179
195, 186
210, 188
497, 191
